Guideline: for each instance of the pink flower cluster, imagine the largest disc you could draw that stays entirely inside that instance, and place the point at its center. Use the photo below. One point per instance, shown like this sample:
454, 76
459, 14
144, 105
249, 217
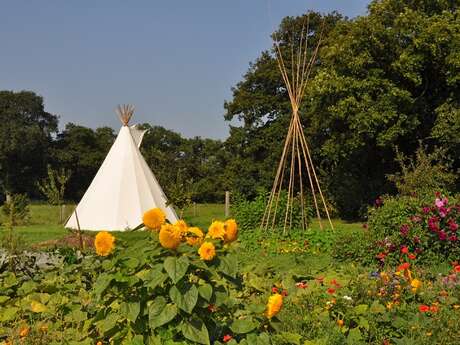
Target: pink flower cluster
442, 219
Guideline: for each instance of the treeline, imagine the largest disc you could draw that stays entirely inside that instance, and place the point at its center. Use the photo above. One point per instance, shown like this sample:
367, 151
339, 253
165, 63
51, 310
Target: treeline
30, 141
384, 85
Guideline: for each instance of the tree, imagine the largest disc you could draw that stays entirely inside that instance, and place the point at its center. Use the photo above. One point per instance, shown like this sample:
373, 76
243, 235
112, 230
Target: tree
25, 135
388, 79
53, 187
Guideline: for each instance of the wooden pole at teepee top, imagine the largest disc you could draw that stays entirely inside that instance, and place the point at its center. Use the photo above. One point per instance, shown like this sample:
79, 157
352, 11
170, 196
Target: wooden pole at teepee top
125, 112
295, 157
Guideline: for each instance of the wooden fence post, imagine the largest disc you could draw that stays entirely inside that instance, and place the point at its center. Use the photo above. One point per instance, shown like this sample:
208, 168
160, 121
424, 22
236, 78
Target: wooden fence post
227, 204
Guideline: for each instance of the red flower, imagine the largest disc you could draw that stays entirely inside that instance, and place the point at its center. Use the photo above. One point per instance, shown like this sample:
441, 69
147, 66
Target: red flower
227, 338
404, 250
381, 256
404, 266
334, 282
274, 289
330, 291
457, 268
412, 256
423, 308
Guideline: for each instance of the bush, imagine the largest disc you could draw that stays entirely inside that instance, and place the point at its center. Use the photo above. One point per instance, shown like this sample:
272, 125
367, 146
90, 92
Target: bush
16, 210
353, 246
426, 229
249, 213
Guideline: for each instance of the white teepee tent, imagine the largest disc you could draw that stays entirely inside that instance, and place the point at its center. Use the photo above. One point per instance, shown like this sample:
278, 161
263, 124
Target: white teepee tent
123, 188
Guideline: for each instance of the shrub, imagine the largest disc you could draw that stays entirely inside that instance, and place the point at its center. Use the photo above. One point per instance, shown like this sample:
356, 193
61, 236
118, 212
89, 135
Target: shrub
428, 229
353, 246
16, 210
249, 213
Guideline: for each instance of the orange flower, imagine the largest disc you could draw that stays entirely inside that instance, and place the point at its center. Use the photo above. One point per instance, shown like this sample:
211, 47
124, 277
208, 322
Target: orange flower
275, 302
330, 291
412, 256
216, 230
104, 243
457, 268
154, 218
194, 236
231, 231
170, 237
434, 308
404, 250
340, 322
24, 331
207, 251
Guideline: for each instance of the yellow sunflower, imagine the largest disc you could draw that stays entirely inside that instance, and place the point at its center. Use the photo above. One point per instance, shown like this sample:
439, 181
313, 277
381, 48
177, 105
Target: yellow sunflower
216, 230
181, 227
194, 236
104, 243
207, 251
154, 218
231, 231
169, 236
275, 302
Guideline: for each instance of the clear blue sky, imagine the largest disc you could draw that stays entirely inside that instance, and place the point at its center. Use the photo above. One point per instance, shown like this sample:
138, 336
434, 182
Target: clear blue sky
176, 61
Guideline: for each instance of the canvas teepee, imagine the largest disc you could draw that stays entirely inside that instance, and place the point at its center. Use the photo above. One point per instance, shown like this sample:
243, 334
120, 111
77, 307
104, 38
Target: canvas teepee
123, 188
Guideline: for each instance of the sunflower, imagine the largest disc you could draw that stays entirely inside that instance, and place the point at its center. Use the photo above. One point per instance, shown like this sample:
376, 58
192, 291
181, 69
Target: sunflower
194, 236
231, 231
181, 227
104, 243
207, 251
170, 237
154, 218
216, 230
275, 302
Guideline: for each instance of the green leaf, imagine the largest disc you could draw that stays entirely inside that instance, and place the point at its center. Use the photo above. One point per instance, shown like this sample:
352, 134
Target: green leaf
257, 308
8, 314
205, 291
161, 313
78, 316
137, 340
3, 299
108, 323
229, 265
290, 338
360, 309
184, 296
354, 336
102, 283
130, 310
176, 267
242, 326
377, 308
195, 330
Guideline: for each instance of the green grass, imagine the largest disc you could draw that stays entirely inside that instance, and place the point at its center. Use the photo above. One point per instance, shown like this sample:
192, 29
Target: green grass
44, 223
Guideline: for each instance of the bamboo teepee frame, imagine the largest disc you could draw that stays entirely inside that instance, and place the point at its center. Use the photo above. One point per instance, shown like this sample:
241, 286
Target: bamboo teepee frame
296, 157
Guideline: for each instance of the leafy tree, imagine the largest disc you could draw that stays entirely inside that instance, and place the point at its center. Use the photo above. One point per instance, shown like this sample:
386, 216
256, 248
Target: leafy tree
82, 151
25, 135
53, 187
384, 80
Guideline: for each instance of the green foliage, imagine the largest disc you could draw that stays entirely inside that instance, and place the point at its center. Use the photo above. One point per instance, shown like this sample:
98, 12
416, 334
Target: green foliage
16, 210
424, 175
385, 79
354, 246
181, 193
138, 293
420, 224
54, 186
249, 213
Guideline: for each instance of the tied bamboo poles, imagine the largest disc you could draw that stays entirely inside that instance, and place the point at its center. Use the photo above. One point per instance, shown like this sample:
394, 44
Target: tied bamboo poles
296, 157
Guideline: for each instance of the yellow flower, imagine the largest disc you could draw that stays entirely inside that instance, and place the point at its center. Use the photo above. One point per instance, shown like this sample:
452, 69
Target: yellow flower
207, 251
389, 305
99, 343
415, 284
104, 243
275, 302
170, 236
154, 218
231, 231
181, 228
216, 230
196, 237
